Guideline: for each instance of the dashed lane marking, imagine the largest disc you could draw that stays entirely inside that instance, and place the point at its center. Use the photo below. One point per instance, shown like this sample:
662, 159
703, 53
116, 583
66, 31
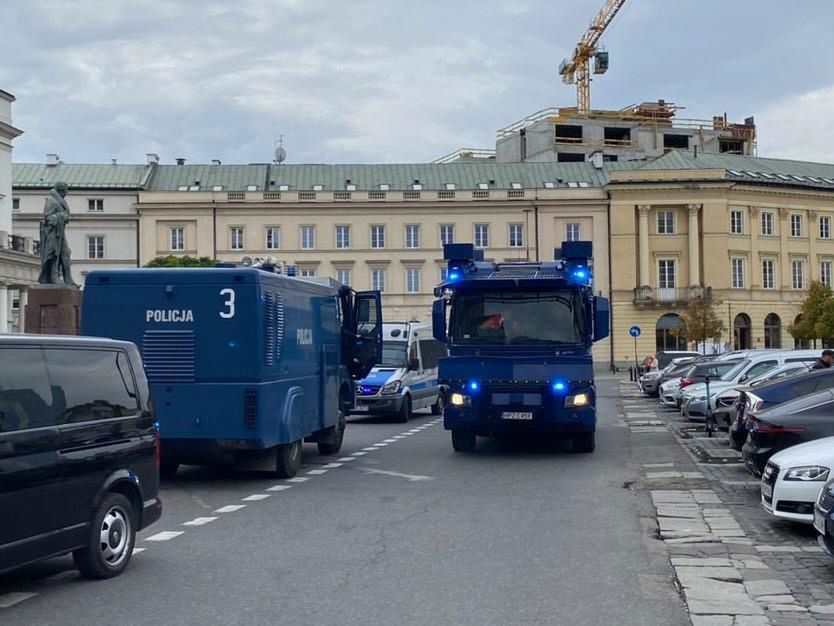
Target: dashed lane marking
410, 477
360, 453
199, 521
381, 444
297, 479
165, 535
257, 497
317, 472
330, 466
370, 449
230, 508
8, 600
279, 487
345, 459
138, 550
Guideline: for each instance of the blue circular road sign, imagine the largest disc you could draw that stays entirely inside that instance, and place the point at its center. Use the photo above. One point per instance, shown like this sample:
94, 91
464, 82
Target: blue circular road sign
634, 331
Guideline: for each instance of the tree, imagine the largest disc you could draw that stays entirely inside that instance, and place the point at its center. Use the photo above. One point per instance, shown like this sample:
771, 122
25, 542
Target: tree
700, 321
816, 316
181, 261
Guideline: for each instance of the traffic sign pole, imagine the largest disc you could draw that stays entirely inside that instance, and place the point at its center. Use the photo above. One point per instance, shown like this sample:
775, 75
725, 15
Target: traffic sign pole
634, 331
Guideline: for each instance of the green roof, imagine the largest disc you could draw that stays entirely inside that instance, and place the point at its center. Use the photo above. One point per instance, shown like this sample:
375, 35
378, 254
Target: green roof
229, 177
78, 176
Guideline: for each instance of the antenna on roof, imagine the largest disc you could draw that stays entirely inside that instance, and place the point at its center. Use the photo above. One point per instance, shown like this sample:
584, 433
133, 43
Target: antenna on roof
280, 154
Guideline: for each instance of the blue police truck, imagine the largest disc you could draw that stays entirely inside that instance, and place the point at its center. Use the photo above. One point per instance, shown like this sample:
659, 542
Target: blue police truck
244, 364
520, 337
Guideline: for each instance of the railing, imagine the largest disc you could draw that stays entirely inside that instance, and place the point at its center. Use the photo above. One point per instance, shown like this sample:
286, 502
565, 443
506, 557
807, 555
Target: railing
527, 121
465, 154
19, 243
650, 296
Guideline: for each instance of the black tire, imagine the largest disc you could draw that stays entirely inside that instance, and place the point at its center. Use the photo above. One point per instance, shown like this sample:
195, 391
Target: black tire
437, 407
405, 411
584, 442
333, 447
168, 468
464, 440
288, 459
111, 539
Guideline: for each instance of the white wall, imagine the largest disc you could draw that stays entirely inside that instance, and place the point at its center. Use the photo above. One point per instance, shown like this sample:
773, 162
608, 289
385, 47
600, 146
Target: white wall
5, 168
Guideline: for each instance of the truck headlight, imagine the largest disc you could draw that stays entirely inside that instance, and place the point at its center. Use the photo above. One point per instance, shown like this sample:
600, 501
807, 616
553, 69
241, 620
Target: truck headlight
392, 387
458, 399
577, 400
808, 473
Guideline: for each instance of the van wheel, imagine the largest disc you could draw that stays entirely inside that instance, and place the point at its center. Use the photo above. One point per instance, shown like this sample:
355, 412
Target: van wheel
333, 446
437, 407
289, 459
464, 441
584, 442
168, 468
111, 540
405, 411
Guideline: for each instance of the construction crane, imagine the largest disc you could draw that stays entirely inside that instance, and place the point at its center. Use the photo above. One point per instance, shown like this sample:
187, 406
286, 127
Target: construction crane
577, 68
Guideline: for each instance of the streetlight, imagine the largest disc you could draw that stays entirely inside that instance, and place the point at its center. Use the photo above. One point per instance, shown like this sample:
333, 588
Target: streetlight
527, 232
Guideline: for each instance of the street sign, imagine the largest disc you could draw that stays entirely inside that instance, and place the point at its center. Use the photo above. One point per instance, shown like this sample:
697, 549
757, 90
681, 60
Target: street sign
634, 331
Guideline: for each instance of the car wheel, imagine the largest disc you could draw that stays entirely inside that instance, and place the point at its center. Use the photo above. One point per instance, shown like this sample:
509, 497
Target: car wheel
405, 411
168, 468
437, 407
333, 446
584, 442
111, 540
289, 459
464, 441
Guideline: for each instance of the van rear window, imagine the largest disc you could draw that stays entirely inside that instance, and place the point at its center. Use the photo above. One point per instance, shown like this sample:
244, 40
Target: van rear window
25, 396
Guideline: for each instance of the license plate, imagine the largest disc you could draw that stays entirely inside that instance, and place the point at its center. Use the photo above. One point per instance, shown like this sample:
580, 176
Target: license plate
360, 408
517, 415
767, 490
819, 522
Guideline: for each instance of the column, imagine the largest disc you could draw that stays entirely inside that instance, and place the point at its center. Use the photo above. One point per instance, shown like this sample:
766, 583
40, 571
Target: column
4, 309
755, 268
694, 248
24, 300
645, 279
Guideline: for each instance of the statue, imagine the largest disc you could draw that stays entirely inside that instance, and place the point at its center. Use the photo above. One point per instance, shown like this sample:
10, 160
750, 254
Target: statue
55, 253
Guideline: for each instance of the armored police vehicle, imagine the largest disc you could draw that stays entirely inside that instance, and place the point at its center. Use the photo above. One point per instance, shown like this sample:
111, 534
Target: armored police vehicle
520, 337
244, 364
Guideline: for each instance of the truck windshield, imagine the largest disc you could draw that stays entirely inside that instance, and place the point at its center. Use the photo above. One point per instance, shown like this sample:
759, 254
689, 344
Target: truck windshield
393, 353
519, 317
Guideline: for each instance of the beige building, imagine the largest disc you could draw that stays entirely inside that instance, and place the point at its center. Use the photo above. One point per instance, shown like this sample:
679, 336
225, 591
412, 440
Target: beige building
748, 233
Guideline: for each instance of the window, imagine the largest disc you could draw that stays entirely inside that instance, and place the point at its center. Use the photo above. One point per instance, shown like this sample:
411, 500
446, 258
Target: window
825, 273
412, 236
318, 187
417, 186
377, 236
447, 234
825, 227
444, 273
549, 185
768, 274
481, 235
431, 351
573, 232
767, 223
25, 395
236, 233
350, 187
483, 186
343, 276
665, 222
308, 272
342, 237
15, 204
384, 187
798, 274
796, 225
177, 238
283, 187
273, 237
666, 274
95, 246
251, 187
738, 273
107, 391
450, 186
515, 185
736, 222
378, 279
95, 204
516, 235
308, 237
412, 280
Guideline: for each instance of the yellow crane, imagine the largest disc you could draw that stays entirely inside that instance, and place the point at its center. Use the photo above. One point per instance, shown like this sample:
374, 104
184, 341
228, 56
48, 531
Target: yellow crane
577, 68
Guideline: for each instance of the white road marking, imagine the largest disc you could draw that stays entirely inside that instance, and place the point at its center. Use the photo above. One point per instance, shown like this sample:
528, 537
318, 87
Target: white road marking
255, 497
138, 550
345, 459
397, 437
231, 508
317, 472
370, 449
359, 453
297, 479
199, 521
414, 431
390, 440
381, 444
165, 535
411, 477
331, 466
8, 600
279, 487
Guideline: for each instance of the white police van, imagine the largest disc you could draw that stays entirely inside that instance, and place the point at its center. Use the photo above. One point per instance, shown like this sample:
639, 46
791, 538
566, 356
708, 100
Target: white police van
406, 377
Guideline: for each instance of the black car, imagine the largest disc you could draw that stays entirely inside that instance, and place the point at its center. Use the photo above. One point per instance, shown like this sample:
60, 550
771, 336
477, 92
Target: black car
824, 518
79, 452
770, 430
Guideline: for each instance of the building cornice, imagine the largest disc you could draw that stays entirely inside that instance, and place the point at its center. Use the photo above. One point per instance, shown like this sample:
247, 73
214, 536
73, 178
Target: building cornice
8, 131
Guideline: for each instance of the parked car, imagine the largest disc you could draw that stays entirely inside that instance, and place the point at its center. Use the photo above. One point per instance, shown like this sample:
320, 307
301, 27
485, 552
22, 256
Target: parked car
79, 452
824, 517
665, 357
698, 374
806, 418
650, 381
793, 478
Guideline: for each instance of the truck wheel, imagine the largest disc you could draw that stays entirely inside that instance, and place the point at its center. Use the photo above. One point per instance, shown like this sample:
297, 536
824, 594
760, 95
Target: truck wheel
289, 459
584, 442
405, 411
168, 468
333, 446
437, 407
463, 440
111, 538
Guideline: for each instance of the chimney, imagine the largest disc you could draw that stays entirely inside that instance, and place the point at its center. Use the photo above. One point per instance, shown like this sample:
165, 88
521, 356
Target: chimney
151, 158
180, 161
52, 160
215, 161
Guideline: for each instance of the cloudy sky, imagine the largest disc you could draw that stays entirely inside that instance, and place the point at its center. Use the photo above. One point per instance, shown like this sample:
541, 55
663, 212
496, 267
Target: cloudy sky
391, 80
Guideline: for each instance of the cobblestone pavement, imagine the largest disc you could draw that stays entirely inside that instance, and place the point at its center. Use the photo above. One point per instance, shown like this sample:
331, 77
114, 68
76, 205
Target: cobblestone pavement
734, 563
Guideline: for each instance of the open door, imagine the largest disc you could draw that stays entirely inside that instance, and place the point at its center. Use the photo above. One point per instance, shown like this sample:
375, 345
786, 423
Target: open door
366, 350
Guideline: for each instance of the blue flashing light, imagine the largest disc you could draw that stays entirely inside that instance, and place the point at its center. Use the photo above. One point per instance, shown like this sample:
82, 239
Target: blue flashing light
559, 386
454, 275
233, 344
474, 385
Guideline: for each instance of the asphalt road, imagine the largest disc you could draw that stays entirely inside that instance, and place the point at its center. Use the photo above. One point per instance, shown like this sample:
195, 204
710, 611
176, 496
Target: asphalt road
406, 533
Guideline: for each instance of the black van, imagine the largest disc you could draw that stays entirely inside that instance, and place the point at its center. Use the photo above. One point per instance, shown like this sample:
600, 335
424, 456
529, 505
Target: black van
79, 452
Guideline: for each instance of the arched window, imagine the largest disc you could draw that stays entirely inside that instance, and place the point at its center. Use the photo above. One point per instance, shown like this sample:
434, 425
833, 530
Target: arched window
741, 332
772, 331
800, 344
668, 333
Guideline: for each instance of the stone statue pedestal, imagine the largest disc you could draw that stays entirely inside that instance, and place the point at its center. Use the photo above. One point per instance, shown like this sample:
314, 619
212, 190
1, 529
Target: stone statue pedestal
53, 310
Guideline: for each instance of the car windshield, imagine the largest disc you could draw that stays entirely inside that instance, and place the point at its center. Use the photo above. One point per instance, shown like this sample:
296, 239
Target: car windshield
740, 366
519, 317
393, 353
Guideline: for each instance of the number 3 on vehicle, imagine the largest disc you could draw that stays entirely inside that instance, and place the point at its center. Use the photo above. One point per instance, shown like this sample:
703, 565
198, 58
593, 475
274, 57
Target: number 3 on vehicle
229, 294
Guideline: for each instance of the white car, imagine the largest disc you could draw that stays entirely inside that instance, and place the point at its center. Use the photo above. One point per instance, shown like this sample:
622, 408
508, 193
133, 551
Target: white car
793, 478
669, 392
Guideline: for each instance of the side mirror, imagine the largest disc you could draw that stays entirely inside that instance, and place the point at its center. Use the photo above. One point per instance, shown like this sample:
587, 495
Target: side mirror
413, 365
601, 318
438, 320
743, 378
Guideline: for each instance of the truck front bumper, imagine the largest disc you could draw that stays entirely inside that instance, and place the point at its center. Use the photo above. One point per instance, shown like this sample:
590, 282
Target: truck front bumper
509, 420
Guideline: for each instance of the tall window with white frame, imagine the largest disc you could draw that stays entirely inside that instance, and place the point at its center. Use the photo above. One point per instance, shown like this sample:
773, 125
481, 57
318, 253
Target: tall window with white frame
737, 222
308, 272
443, 274
798, 274
665, 222
767, 223
236, 234
95, 246
177, 234
516, 235
95, 205
768, 274
825, 273
738, 273
343, 275
412, 280
377, 236
825, 227
15, 204
573, 231
378, 279
481, 236
273, 237
308, 237
666, 279
447, 234
342, 237
796, 225
412, 236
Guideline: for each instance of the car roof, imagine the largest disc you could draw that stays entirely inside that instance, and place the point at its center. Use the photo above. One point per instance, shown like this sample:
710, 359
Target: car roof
11, 339
797, 404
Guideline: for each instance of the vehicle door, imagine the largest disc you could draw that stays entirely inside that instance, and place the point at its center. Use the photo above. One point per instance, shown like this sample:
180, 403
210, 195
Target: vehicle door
102, 428
428, 376
364, 350
32, 499
756, 369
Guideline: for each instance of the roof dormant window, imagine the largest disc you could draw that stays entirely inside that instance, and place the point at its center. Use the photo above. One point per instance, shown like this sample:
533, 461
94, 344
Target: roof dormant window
450, 186
283, 187
549, 185
384, 187
251, 187
217, 188
483, 186
318, 187
515, 185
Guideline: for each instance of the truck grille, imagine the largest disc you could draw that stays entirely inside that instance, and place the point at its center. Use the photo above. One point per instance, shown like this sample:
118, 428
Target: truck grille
250, 408
273, 327
169, 356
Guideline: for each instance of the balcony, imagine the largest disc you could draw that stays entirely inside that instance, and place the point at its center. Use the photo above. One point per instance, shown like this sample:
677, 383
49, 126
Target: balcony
647, 297
18, 243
